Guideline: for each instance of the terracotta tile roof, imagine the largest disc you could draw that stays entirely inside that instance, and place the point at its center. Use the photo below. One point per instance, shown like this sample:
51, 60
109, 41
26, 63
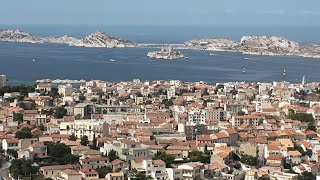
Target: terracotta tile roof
92, 152
80, 147
116, 162
158, 162
13, 140
182, 148
275, 157
116, 174
57, 167
272, 147
38, 145
294, 153
221, 135
70, 172
94, 159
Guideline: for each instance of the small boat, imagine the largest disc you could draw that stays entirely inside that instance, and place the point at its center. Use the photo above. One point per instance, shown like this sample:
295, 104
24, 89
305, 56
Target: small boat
284, 72
112, 60
186, 57
33, 60
212, 54
246, 58
244, 70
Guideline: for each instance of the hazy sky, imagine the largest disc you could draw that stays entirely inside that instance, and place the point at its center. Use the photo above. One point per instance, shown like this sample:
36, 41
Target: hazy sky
162, 12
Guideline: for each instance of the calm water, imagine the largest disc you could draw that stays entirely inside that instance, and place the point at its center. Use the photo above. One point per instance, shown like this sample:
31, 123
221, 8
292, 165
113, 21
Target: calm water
61, 61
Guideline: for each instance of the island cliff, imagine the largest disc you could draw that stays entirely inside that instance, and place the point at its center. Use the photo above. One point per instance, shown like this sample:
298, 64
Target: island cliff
257, 45
97, 39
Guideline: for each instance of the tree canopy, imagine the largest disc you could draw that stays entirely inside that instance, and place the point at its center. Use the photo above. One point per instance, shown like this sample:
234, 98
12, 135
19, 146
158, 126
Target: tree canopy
112, 155
60, 112
22, 167
104, 171
72, 137
167, 158
18, 117
248, 159
303, 117
61, 153
24, 133
84, 140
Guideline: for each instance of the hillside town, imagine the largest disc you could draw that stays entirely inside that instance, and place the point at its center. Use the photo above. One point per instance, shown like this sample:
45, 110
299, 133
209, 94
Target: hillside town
161, 130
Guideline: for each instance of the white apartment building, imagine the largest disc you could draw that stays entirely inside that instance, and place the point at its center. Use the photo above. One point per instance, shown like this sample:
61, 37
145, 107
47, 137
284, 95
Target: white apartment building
246, 120
127, 149
3, 80
89, 127
65, 90
196, 117
155, 169
171, 92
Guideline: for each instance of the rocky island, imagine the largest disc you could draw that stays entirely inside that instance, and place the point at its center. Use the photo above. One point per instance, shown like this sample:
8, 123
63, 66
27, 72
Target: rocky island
257, 45
96, 39
165, 53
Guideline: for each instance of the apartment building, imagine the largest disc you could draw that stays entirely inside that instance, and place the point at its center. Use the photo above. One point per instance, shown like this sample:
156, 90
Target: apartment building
88, 127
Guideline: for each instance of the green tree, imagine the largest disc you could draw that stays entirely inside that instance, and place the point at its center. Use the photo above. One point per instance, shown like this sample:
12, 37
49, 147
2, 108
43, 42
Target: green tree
104, 171
306, 176
72, 137
248, 159
241, 113
41, 127
22, 167
27, 105
141, 176
60, 112
94, 141
55, 150
205, 92
84, 140
18, 117
303, 117
94, 100
82, 98
112, 155
237, 165
12, 153
264, 177
24, 133
60, 154
167, 158
311, 126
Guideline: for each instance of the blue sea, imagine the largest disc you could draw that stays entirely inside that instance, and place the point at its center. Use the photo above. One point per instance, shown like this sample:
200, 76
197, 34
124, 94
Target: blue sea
55, 61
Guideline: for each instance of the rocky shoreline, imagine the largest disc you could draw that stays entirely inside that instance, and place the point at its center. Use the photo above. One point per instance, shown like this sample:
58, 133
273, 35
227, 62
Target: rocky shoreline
252, 45
257, 45
96, 39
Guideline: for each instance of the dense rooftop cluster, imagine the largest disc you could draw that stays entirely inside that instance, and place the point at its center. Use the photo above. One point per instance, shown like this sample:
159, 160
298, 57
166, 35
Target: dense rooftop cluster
161, 130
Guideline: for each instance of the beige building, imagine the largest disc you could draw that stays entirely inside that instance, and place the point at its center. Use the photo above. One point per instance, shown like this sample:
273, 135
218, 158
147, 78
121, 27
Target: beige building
3, 80
191, 171
53, 171
89, 127
95, 163
69, 174
248, 148
115, 176
128, 149
246, 120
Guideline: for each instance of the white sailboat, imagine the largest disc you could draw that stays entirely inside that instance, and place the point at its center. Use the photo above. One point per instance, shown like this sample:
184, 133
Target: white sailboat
244, 70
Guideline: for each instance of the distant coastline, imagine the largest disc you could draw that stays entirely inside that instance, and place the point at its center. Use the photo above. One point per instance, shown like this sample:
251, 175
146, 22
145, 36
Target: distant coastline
251, 45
